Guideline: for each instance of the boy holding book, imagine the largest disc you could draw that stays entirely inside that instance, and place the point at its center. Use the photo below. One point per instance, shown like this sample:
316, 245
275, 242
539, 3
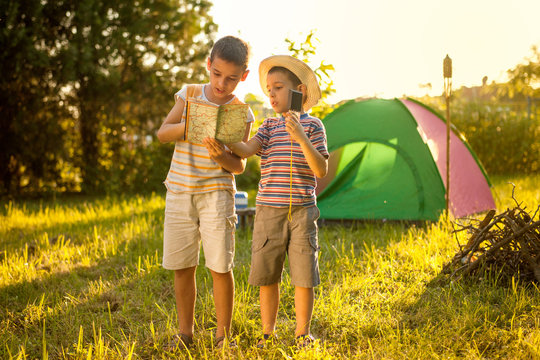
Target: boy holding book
293, 153
200, 194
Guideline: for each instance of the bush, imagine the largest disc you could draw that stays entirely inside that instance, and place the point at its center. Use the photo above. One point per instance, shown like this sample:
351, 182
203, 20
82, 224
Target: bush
505, 141
502, 134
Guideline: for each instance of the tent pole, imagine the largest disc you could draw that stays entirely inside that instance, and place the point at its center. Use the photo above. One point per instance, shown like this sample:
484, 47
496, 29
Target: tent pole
447, 74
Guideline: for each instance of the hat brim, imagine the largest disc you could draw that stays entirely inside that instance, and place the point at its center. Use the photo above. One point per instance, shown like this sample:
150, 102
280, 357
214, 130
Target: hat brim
300, 69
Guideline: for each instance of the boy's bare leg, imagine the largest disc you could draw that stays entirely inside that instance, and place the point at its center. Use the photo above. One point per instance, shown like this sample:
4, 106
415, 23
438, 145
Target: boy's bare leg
303, 303
185, 291
223, 284
269, 299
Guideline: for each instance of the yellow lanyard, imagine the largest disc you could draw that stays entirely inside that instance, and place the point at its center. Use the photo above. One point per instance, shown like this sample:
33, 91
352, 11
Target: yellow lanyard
289, 216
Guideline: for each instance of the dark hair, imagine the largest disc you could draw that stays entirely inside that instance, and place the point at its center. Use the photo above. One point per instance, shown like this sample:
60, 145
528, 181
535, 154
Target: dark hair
231, 49
290, 75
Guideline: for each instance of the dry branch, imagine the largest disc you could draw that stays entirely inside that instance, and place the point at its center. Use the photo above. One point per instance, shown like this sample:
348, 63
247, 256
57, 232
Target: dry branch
507, 244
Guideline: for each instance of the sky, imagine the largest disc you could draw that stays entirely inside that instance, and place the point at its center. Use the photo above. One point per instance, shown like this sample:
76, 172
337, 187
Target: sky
387, 48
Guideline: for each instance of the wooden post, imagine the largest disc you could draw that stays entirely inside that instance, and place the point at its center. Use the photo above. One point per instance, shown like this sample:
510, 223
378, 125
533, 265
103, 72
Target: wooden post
447, 74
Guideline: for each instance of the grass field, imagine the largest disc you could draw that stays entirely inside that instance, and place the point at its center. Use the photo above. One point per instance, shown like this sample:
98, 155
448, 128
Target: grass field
81, 278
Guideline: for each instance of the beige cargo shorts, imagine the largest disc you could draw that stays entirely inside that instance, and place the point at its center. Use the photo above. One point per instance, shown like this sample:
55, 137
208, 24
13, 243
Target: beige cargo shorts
274, 237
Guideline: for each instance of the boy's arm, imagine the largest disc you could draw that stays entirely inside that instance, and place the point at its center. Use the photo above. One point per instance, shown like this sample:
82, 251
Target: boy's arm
245, 149
172, 129
225, 158
316, 161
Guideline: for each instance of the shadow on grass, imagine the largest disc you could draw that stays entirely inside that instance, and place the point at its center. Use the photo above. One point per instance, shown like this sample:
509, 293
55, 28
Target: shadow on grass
114, 297
121, 299
484, 316
120, 294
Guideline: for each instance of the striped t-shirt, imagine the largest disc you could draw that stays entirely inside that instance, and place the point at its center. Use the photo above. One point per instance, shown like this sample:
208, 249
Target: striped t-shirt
275, 153
192, 169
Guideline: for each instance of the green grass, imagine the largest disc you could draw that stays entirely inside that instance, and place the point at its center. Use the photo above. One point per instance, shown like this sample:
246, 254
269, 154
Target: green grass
81, 278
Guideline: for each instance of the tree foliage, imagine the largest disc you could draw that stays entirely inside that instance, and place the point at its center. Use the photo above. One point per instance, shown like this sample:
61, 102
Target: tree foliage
88, 82
30, 128
304, 51
525, 77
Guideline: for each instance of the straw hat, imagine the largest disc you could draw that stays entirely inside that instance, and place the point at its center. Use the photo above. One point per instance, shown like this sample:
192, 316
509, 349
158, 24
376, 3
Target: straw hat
300, 69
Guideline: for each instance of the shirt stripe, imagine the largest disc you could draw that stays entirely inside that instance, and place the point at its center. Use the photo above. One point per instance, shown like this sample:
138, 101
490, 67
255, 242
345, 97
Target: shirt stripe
187, 153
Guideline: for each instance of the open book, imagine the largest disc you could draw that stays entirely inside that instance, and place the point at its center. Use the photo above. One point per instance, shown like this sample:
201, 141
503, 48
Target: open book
226, 123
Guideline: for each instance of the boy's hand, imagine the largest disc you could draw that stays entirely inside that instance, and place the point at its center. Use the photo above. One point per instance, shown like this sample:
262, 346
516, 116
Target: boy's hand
215, 148
293, 127
223, 156
234, 146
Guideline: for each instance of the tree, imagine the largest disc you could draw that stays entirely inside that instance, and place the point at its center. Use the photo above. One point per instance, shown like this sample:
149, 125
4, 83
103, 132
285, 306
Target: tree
104, 69
525, 78
31, 130
137, 51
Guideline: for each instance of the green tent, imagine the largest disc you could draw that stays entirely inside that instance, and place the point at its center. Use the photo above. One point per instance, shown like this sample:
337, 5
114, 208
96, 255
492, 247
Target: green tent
388, 162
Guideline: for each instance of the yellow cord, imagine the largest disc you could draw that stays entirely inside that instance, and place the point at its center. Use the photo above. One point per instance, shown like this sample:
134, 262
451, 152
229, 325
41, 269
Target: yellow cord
289, 216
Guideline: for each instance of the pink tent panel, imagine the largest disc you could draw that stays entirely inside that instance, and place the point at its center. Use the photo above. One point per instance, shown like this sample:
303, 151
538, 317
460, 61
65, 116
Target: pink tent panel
469, 190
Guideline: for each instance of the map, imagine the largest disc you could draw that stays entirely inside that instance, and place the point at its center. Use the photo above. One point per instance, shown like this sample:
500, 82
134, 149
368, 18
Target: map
226, 123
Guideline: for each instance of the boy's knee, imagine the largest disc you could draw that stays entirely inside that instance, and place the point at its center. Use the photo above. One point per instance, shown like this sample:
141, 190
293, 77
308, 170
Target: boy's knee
186, 272
221, 275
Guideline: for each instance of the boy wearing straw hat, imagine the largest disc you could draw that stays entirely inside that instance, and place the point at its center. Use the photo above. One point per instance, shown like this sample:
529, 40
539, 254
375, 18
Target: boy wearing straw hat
293, 153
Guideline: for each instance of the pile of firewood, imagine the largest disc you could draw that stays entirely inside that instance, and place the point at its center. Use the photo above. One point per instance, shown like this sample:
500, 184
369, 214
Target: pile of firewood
507, 244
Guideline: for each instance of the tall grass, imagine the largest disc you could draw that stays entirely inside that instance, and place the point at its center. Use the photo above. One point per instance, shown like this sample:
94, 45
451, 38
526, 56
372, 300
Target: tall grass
81, 279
